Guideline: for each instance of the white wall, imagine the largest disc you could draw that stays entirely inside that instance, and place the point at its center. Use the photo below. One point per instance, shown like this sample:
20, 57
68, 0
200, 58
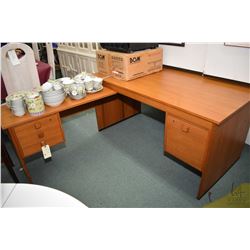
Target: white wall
212, 59
227, 62
192, 56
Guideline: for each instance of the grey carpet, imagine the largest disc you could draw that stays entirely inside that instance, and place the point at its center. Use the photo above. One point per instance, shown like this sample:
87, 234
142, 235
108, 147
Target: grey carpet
123, 165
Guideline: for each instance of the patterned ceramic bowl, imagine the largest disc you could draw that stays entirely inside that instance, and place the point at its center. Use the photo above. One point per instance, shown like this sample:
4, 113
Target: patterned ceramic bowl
77, 91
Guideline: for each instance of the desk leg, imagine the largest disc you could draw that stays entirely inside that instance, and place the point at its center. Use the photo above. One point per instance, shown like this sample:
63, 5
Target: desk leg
115, 110
226, 144
26, 171
19, 154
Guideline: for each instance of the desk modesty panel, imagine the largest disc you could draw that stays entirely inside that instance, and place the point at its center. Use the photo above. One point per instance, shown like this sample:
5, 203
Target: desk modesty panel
207, 119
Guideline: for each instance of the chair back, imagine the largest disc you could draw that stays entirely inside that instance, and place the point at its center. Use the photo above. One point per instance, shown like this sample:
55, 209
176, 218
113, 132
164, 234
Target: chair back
21, 76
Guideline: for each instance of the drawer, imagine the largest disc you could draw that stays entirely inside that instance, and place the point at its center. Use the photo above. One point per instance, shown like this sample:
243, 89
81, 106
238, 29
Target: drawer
186, 141
32, 135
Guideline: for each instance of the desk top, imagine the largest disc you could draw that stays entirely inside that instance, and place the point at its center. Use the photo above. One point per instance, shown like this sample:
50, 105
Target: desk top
9, 120
209, 98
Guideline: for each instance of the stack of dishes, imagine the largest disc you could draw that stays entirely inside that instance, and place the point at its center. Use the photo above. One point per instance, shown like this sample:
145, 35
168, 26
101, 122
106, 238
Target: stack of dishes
35, 104
53, 93
16, 103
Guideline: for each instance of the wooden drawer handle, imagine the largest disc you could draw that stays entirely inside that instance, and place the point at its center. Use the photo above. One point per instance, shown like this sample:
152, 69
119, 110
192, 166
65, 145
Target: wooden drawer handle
185, 129
37, 125
41, 135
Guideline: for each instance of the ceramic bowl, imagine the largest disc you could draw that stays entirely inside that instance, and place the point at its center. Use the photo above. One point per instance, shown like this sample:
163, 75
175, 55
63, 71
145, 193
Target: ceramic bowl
54, 101
77, 96
53, 93
77, 91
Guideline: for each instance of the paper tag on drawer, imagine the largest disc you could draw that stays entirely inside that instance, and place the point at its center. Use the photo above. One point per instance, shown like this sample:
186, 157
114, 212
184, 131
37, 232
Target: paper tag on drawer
46, 151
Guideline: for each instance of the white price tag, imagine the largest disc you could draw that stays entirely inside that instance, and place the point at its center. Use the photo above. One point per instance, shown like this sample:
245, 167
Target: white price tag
46, 151
13, 57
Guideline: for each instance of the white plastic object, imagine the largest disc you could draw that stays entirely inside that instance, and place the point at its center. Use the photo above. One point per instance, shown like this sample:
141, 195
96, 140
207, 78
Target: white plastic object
23, 76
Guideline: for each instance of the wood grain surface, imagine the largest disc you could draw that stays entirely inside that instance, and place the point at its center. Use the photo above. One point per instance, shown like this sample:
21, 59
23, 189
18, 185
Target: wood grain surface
9, 120
214, 100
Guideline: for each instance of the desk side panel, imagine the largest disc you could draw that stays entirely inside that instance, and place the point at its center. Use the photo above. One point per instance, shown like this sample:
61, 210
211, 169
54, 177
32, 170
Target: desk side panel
226, 144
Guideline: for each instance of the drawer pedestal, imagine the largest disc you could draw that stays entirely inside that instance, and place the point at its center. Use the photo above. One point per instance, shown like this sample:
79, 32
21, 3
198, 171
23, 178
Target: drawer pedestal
186, 141
29, 138
211, 149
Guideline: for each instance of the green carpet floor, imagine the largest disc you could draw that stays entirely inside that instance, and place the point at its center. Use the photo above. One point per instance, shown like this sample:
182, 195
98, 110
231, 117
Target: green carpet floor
123, 165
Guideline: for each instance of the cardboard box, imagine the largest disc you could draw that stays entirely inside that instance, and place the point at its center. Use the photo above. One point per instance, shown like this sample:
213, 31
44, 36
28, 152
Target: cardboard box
103, 62
128, 66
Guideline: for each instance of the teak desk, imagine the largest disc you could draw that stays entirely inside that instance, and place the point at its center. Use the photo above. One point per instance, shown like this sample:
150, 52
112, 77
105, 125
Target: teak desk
206, 123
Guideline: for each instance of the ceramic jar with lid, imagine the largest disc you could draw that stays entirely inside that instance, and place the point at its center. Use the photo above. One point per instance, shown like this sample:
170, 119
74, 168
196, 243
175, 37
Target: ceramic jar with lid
35, 104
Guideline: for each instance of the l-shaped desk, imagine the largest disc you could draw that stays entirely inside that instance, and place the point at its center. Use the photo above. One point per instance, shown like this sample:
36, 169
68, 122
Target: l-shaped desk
206, 122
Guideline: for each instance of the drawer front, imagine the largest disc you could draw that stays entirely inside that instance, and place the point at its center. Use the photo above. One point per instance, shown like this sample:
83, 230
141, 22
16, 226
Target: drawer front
186, 141
31, 136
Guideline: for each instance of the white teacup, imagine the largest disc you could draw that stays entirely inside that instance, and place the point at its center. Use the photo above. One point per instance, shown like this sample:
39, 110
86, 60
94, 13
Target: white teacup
97, 83
89, 85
